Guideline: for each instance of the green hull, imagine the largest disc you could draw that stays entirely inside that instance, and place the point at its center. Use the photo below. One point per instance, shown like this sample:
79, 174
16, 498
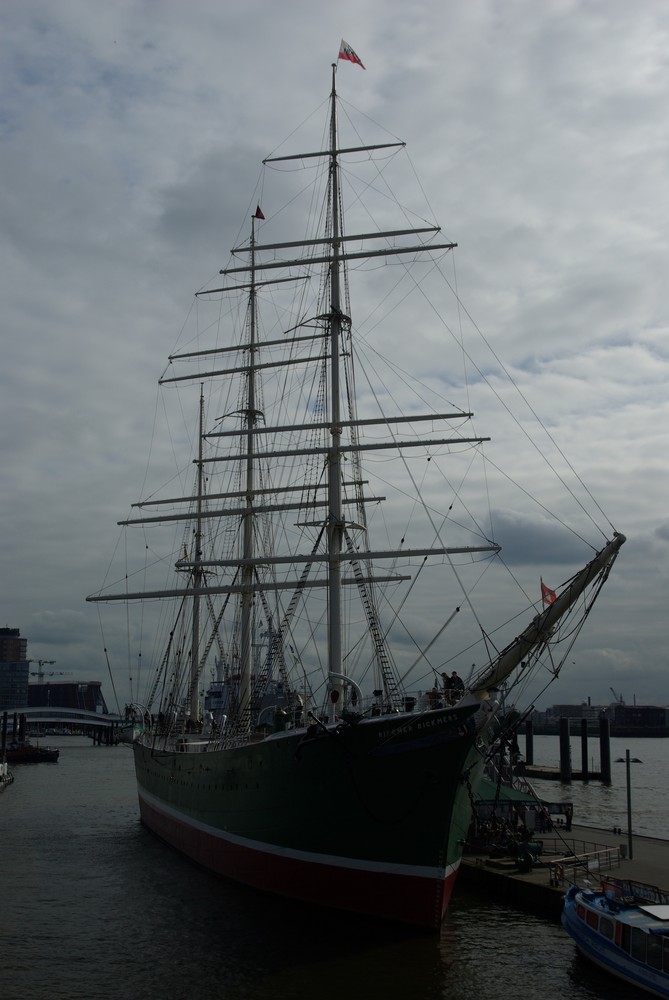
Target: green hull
386, 801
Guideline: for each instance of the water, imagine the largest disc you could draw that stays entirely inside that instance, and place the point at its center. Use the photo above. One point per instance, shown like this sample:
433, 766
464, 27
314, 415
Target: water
605, 806
93, 907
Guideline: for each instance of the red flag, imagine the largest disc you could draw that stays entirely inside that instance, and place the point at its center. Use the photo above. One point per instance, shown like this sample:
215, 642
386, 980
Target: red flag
346, 52
547, 595
258, 214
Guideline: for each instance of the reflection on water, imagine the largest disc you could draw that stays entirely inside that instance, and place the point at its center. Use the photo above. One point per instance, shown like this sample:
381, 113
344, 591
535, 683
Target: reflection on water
94, 907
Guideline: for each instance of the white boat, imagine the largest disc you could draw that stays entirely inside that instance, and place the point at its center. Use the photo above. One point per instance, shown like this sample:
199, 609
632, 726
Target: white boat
623, 927
6, 776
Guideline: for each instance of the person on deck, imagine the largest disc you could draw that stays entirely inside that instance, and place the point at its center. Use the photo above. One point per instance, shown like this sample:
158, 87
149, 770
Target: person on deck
457, 687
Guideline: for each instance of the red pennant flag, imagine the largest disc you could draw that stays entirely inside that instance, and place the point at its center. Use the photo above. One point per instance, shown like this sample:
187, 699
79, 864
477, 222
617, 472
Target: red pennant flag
547, 595
258, 214
346, 52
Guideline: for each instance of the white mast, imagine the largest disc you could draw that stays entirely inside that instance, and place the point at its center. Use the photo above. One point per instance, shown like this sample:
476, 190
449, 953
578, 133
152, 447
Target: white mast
334, 526
194, 700
248, 439
258, 446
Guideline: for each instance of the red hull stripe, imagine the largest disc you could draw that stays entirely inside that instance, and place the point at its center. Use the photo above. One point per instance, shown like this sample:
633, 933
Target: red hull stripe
415, 895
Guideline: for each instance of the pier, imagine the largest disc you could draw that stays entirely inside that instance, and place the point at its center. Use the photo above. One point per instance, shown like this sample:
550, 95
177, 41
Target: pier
565, 772
585, 853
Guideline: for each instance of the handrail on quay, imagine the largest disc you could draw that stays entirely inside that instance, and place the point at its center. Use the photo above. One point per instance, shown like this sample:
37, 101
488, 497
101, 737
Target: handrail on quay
599, 859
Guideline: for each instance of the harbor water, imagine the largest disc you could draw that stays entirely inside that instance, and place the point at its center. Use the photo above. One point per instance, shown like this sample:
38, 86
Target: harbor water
93, 907
605, 806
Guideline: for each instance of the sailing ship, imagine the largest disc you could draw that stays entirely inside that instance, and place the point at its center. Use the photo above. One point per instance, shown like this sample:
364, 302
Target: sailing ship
293, 737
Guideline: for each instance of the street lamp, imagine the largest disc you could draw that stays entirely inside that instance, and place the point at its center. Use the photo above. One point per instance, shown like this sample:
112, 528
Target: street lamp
627, 761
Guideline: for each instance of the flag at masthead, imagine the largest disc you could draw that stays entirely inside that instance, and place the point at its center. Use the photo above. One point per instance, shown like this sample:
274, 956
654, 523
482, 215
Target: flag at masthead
346, 52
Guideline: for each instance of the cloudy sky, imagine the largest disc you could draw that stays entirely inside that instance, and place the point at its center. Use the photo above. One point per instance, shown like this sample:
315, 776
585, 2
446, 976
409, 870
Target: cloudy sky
132, 135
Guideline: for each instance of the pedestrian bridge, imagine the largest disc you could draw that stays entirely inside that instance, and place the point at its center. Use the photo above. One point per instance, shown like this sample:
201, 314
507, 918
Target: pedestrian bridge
49, 717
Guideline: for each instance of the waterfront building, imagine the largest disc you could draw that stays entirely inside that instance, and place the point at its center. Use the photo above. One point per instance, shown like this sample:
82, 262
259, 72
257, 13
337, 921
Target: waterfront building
625, 720
86, 696
640, 720
582, 711
14, 669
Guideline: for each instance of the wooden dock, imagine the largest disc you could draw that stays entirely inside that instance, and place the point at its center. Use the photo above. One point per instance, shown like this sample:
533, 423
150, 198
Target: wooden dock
532, 771
565, 772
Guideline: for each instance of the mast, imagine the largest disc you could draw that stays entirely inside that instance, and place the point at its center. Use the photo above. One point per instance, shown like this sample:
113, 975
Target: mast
310, 470
335, 526
323, 345
248, 438
194, 705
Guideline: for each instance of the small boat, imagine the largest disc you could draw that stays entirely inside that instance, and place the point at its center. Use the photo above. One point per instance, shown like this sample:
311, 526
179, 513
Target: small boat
133, 724
331, 758
31, 753
6, 776
623, 927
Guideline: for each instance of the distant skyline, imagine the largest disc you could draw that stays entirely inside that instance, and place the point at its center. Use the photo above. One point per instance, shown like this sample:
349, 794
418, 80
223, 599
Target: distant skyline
131, 136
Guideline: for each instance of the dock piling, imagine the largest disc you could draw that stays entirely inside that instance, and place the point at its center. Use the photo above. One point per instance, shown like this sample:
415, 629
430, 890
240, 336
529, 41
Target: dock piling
584, 749
565, 751
529, 742
605, 749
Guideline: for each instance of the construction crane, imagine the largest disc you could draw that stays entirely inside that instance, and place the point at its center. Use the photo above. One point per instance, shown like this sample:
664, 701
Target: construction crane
40, 674
619, 698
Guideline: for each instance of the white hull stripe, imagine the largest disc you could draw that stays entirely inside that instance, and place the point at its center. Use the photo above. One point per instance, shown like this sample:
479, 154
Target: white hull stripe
310, 857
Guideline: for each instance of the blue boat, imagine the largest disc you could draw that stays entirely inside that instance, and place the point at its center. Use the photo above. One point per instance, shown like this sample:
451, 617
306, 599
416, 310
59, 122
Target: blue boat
624, 929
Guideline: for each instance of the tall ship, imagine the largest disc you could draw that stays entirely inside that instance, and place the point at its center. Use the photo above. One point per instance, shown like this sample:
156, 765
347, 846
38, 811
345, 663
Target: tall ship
303, 728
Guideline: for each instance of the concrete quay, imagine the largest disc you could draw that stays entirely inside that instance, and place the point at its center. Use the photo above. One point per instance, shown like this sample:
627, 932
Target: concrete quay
601, 853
